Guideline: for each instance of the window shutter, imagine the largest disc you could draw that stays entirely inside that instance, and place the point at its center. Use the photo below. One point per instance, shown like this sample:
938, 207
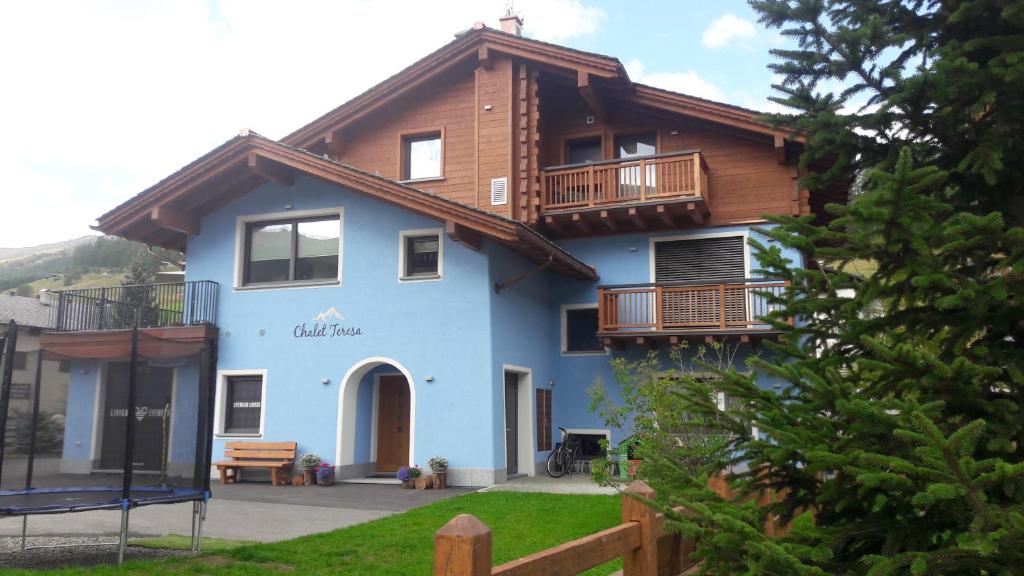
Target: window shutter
499, 191
704, 259
543, 420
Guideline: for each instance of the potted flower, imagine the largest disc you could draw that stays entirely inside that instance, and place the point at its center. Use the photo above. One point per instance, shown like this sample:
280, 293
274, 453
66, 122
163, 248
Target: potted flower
408, 476
423, 482
439, 471
308, 463
325, 474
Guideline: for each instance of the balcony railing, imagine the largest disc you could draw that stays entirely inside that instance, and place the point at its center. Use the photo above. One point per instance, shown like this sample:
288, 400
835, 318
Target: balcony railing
143, 306
674, 175
641, 308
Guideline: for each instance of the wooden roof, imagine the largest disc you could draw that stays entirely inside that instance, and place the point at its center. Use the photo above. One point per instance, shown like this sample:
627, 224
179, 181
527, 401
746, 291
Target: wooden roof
481, 43
167, 212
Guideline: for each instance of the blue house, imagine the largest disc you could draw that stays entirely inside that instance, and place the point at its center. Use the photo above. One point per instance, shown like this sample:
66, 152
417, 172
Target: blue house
444, 264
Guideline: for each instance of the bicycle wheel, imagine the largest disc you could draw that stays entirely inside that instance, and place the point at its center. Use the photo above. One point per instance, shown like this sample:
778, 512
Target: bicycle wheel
556, 464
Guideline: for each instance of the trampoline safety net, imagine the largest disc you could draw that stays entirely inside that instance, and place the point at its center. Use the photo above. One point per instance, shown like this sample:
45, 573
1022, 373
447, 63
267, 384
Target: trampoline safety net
118, 421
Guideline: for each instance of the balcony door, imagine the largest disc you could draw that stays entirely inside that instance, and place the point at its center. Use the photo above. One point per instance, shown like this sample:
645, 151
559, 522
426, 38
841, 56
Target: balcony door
707, 274
633, 146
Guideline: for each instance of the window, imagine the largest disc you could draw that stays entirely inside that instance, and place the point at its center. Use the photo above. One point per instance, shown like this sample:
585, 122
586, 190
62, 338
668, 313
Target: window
20, 360
421, 156
297, 250
700, 260
579, 330
543, 420
420, 255
243, 404
633, 145
583, 150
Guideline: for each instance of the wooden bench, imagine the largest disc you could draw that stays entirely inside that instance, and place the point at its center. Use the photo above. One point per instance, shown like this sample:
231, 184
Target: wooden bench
278, 457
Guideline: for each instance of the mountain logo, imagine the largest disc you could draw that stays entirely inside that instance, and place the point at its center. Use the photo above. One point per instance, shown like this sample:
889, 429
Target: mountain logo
329, 314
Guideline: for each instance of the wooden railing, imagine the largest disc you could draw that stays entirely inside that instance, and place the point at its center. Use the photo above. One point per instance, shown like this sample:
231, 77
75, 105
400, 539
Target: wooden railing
663, 176
683, 306
462, 547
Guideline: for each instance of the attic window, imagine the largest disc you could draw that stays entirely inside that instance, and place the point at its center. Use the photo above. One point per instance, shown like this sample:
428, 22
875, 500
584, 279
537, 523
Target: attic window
421, 156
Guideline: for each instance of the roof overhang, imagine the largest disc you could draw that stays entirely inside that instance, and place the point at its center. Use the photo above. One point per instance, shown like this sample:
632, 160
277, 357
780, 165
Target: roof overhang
166, 213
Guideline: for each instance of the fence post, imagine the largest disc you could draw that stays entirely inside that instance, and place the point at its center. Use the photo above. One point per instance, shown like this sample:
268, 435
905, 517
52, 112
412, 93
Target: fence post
462, 547
644, 560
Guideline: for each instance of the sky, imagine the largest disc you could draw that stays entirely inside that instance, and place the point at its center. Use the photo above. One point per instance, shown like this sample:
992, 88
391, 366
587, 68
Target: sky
102, 99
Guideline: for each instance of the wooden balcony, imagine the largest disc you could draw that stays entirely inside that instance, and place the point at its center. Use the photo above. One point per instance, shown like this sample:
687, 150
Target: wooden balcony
648, 312
651, 192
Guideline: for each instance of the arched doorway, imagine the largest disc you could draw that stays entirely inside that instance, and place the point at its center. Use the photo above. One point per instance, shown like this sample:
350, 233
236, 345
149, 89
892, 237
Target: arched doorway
391, 440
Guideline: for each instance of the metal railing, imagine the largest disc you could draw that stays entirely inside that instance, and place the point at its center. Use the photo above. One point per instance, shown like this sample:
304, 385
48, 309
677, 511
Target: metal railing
672, 307
662, 176
143, 306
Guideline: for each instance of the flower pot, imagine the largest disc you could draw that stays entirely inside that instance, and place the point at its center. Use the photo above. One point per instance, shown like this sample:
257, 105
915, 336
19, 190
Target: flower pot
440, 479
408, 484
325, 480
634, 465
308, 477
424, 483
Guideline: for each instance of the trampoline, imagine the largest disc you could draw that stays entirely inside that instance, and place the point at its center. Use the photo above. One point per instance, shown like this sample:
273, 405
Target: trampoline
108, 420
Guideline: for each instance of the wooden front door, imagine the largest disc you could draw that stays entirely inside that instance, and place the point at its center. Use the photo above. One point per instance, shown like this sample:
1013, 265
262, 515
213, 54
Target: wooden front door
392, 423
511, 423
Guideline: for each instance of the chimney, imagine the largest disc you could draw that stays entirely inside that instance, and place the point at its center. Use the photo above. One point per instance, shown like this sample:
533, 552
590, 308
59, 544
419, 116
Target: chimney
511, 24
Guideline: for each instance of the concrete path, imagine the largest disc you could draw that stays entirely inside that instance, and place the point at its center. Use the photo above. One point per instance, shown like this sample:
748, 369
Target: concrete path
246, 511
575, 484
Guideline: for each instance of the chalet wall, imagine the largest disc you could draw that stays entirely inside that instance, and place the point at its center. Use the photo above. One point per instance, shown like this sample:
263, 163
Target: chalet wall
477, 142
745, 180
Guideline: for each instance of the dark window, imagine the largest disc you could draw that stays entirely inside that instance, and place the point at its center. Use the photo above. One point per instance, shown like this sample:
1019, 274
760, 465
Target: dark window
292, 250
243, 404
632, 145
583, 150
543, 420
701, 260
581, 331
421, 156
20, 360
421, 255
64, 366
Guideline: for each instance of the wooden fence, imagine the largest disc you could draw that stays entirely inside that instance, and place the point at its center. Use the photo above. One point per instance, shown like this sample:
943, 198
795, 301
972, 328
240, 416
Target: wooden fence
462, 547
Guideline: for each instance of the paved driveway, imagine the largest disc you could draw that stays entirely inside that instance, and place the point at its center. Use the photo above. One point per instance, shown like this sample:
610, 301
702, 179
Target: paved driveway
246, 511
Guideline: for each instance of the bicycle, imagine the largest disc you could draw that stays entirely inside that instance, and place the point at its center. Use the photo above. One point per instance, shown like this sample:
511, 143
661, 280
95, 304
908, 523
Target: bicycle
563, 458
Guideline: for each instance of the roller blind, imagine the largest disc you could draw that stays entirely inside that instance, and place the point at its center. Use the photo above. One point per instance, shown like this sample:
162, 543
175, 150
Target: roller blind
700, 260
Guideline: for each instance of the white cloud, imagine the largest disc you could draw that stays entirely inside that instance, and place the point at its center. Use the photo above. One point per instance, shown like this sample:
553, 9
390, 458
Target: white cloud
726, 29
687, 82
103, 99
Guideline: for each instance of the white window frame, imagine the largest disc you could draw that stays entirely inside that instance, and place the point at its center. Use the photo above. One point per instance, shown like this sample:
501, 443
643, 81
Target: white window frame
240, 239
745, 234
565, 330
402, 236
220, 400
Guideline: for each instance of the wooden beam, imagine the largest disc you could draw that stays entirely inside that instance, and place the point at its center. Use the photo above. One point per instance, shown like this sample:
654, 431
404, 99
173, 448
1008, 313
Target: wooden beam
780, 149
271, 170
673, 340
745, 338
580, 222
554, 224
635, 217
173, 218
484, 57
694, 213
335, 142
709, 339
590, 95
463, 235
651, 343
608, 221
665, 215
615, 343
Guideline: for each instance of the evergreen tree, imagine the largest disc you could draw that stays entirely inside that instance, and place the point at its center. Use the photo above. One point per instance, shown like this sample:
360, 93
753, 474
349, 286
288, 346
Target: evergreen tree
896, 444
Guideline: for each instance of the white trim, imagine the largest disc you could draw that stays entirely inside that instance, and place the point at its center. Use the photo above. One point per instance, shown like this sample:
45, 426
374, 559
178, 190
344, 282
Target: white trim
97, 422
402, 235
240, 223
655, 239
565, 330
348, 400
524, 412
220, 398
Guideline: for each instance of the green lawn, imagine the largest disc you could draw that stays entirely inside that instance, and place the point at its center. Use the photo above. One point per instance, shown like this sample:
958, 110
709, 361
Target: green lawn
403, 544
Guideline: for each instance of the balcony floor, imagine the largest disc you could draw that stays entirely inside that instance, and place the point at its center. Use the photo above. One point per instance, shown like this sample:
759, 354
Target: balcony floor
652, 338
625, 217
